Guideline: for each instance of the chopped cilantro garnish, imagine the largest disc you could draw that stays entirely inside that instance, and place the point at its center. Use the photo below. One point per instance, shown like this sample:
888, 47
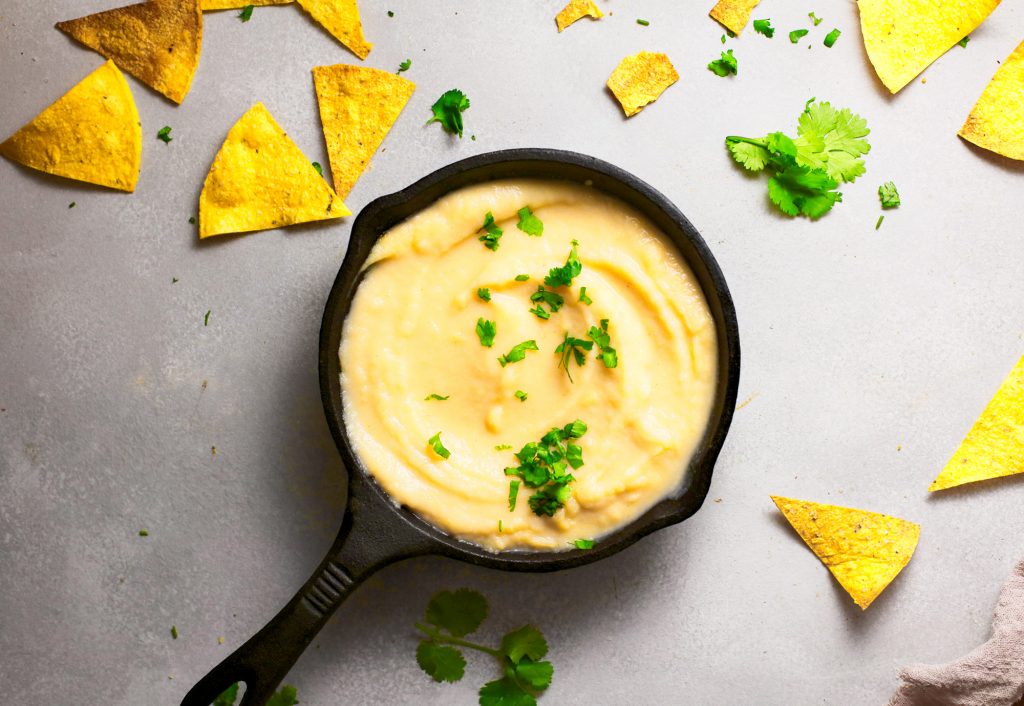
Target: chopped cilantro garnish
764, 27
543, 296
174, 280
435, 396
500, 530
518, 352
143, 533
544, 466
572, 349
584, 543
404, 66
522, 278
390, 13
563, 276
513, 494
318, 168
492, 233
174, 632
724, 66
584, 298
723, 39
796, 34
878, 223
644, 23
164, 134
600, 337
485, 331
484, 293
192, 220
439, 449
246, 14
521, 395
888, 195
71, 205
286, 696
963, 42
448, 111
817, 20
206, 318
529, 223
831, 38
502, 447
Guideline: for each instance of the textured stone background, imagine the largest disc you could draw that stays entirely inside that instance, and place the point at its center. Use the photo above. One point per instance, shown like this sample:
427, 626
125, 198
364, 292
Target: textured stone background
866, 354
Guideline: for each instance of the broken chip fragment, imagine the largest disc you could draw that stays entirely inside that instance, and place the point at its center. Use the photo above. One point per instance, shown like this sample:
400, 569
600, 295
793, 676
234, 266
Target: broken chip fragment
864, 550
902, 37
157, 42
260, 179
239, 4
733, 14
576, 10
640, 79
358, 106
341, 19
994, 446
90, 134
996, 121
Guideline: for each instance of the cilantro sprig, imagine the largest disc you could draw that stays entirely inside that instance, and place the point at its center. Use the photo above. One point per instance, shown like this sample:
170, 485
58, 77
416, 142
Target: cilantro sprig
572, 349
449, 618
448, 110
543, 465
518, 352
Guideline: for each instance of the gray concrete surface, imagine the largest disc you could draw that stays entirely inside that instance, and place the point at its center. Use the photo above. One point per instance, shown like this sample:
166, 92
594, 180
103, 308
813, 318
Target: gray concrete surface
866, 357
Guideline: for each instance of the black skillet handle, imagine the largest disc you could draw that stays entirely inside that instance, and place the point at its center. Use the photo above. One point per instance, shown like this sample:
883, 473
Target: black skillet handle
382, 538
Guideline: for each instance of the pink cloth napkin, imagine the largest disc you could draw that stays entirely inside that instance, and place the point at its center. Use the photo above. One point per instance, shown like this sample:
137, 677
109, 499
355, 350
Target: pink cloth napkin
991, 675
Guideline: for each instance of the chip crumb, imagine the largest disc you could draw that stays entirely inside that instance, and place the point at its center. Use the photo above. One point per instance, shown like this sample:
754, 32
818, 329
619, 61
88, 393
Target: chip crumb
213, 450
220, 640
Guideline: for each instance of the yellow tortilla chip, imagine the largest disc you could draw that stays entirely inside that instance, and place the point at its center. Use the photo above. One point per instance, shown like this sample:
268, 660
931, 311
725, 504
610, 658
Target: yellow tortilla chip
733, 14
994, 447
260, 179
358, 106
997, 120
575, 10
340, 18
640, 78
91, 134
238, 4
902, 37
157, 42
864, 550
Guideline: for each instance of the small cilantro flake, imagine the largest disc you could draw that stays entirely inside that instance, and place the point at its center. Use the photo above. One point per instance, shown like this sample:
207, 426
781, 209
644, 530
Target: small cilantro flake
521, 396
529, 223
192, 220
164, 134
603, 341
831, 38
764, 27
287, 696
174, 632
724, 66
642, 22
206, 317
543, 296
448, 110
437, 446
391, 13
583, 543
796, 34
513, 494
435, 396
404, 66
483, 293
492, 233
143, 533
246, 14
485, 331
815, 18
518, 352
878, 223
503, 447
71, 205
888, 195
228, 697
584, 298
174, 280
318, 168
723, 39
522, 278
963, 42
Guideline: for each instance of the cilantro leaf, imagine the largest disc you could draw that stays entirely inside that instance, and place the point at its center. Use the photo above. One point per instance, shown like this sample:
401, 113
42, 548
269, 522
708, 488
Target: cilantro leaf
439, 449
603, 341
831, 38
724, 66
554, 300
164, 134
405, 66
536, 674
505, 692
492, 233
963, 42
485, 331
246, 14
644, 23
527, 641
318, 168
435, 396
563, 276
764, 27
518, 352
484, 293
459, 612
522, 278
574, 430
448, 111
817, 20
832, 140
799, 190
529, 223
441, 662
796, 34
521, 396
750, 155
228, 697
287, 696
583, 543
888, 195
513, 494
550, 499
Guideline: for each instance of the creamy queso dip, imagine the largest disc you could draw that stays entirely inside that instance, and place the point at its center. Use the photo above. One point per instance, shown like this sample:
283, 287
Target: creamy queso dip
412, 333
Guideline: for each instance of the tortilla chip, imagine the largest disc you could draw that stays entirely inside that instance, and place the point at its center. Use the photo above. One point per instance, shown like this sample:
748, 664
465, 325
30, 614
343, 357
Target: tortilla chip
997, 120
260, 179
358, 106
238, 4
340, 18
91, 134
733, 14
864, 550
157, 42
575, 10
640, 79
994, 447
902, 37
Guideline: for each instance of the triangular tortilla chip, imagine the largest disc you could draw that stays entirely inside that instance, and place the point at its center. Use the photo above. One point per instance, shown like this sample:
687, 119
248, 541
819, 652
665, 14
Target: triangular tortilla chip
994, 447
864, 550
91, 133
575, 10
157, 42
260, 179
340, 18
733, 14
640, 79
358, 106
997, 120
238, 4
902, 37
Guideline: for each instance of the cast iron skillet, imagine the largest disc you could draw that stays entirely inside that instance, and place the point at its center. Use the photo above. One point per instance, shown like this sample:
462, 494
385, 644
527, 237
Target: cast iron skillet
375, 532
